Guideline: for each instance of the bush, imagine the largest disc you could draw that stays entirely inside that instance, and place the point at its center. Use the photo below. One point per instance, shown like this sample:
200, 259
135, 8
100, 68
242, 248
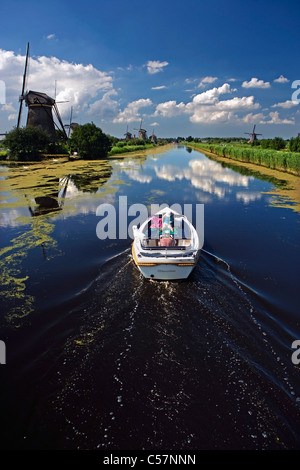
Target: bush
294, 144
27, 144
89, 142
276, 144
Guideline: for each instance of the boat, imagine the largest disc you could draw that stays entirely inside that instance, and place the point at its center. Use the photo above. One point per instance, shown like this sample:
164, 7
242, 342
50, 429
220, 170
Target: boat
166, 246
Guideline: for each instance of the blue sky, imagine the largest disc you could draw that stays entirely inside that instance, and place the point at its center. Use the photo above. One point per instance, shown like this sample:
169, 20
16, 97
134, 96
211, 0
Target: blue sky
186, 67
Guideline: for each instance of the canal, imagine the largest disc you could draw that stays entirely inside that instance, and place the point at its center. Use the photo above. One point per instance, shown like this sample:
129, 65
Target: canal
99, 358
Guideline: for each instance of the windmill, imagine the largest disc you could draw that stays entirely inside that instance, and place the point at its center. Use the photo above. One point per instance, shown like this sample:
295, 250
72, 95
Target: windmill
71, 125
142, 132
40, 108
128, 135
153, 138
253, 134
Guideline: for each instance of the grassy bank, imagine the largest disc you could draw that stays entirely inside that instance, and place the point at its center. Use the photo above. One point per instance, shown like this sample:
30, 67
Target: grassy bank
129, 148
274, 159
116, 150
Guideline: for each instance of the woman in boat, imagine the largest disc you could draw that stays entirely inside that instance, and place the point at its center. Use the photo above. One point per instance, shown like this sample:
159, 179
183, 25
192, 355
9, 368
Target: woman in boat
168, 222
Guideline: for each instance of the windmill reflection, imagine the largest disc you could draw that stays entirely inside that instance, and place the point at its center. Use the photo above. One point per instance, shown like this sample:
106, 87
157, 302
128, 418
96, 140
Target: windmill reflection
52, 202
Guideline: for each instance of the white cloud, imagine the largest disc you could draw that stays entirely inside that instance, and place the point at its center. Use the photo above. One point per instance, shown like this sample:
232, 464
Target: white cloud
155, 66
76, 83
255, 83
7, 107
207, 107
207, 80
246, 102
158, 87
219, 111
211, 116
251, 118
190, 80
272, 118
281, 79
276, 120
91, 94
285, 104
132, 111
51, 36
105, 108
212, 95
169, 109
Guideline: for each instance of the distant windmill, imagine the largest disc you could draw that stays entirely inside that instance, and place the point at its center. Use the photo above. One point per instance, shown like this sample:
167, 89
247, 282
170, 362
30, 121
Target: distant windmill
153, 138
128, 135
253, 134
40, 108
142, 132
71, 124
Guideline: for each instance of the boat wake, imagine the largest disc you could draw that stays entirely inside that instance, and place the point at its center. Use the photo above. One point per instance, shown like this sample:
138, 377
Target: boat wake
175, 365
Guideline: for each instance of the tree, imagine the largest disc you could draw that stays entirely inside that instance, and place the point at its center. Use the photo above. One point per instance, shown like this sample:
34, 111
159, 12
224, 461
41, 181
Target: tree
294, 144
277, 143
27, 143
90, 142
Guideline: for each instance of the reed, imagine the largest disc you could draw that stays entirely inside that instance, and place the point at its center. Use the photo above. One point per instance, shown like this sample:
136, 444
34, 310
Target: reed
274, 159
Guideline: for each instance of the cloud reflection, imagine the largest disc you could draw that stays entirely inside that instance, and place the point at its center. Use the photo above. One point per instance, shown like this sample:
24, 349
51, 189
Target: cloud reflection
248, 197
206, 175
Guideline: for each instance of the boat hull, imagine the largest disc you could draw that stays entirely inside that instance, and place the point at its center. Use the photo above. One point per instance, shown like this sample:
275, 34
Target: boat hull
164, 271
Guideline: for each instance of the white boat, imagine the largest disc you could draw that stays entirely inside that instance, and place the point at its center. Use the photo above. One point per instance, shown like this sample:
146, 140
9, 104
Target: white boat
166, 246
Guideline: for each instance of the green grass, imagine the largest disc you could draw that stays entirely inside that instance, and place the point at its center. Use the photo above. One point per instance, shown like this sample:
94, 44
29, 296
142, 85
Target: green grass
117, 150
274, 159
3, 154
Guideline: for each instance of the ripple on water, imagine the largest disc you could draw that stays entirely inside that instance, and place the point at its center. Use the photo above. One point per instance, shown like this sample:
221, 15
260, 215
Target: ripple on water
174, 365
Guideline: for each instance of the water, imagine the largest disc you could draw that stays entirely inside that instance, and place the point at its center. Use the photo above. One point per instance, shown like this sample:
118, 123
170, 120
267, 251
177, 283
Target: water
100, 358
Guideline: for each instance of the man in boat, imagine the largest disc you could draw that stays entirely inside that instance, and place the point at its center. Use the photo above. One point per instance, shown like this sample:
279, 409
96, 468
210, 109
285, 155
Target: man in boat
167, 239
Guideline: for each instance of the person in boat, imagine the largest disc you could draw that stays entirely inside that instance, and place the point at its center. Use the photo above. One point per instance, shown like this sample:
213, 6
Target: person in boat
167, 239
168, 222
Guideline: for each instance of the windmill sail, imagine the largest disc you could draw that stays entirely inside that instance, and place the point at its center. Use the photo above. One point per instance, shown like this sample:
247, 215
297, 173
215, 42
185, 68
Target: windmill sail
253, 134
23, 86
142, 132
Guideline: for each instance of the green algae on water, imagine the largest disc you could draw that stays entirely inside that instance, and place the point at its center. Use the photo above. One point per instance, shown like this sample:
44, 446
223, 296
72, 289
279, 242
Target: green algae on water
19, 303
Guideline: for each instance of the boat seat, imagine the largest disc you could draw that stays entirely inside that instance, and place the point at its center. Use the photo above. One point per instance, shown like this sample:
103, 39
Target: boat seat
184, 242
150, 242
153, 244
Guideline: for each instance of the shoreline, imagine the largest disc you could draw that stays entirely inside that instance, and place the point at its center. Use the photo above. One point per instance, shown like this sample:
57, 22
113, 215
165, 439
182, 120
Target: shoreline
291, 193
295, 172
68, 158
